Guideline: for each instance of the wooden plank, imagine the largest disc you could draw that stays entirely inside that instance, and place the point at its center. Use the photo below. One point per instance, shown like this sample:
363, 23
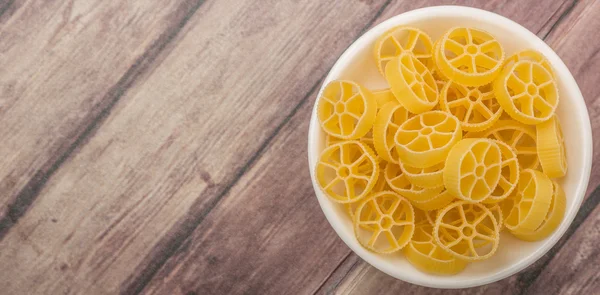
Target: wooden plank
62, 65
268, 235
582, 58
171, 147
249, 260
574, 270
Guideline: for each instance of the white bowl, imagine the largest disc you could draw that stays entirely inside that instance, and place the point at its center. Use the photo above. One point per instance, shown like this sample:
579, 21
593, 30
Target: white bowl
358, 64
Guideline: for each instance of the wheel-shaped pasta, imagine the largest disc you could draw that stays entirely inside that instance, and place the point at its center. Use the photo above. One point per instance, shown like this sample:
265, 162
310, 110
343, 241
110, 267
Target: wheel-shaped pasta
347, 171
468, 231
551, 148
425, 140
412, 83
556, 212
527, 92
475, 107
402, 39
384, 222
473, 169
346, 110
531, 202
469, 56
388, 120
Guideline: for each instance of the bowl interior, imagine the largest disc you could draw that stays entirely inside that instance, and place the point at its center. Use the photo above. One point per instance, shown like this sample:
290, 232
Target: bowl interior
358, 64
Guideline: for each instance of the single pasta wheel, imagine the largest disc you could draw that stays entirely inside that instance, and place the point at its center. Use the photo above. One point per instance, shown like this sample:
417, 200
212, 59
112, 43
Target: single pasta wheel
462, 225
551, 148
347, 171
552, 220
346, 110
468, 56
473, 169
436, 202
475, 107
380, 185
509, 176
520, 137
426, 255
402, 39
530, 55
388, 120
424, 177
486, 223
425, 140
383, 96
527, 92
531, 203
412, 83
384, 222
400, 184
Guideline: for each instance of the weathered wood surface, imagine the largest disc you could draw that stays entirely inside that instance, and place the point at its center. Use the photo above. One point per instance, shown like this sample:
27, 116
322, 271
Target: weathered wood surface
62, 65
160, 146
170, 147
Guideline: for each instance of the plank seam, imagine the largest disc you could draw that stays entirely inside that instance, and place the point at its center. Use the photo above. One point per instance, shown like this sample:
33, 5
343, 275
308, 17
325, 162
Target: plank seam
561, 18
32, 189
338, 282
140, 282
4, 8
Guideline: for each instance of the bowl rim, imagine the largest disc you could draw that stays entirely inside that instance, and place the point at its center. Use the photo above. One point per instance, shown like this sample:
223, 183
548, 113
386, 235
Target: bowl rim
567, 78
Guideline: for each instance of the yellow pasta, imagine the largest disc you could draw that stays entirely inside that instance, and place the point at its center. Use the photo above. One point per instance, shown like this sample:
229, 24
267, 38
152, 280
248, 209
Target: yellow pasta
475, 107
400, 184
551, 148
436, 202
425, 140
380, 186
346, 110
556, 212
402, 39
347, 171
530, 55
425, 254
527, 92
469, 56
424, 177
473, 169
436, 165
388, 120
412, 83
468, 231
383, 96
531, 203
384, 222
509, 176
520, 137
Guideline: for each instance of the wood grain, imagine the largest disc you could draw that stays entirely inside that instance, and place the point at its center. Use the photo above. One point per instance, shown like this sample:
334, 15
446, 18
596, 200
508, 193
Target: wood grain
190, 269
169, 149
62, 66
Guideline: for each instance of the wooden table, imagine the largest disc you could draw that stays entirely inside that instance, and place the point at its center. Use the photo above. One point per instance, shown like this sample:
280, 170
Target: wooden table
159, 147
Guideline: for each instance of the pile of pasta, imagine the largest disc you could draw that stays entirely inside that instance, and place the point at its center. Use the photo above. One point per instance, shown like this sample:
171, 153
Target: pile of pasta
463, 144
